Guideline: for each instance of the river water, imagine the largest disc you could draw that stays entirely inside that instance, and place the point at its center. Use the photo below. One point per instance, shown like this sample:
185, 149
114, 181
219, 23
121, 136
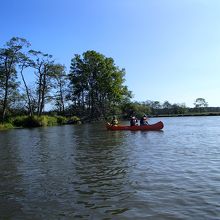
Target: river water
87, 172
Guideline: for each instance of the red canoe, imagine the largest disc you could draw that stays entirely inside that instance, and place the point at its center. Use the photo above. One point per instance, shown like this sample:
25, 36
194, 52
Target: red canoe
153, 127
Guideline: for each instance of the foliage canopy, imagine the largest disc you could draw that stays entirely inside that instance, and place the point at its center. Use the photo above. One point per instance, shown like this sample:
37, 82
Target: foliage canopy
96, 85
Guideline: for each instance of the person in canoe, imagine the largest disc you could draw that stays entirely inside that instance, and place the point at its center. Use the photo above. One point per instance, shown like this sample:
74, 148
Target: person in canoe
144, 121
114, 121
133, 121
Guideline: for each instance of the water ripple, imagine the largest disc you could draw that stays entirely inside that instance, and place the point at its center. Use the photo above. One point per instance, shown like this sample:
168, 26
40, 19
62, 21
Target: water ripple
86, 172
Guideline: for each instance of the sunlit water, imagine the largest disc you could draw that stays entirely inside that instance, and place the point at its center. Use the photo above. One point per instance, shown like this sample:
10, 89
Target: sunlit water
87, 172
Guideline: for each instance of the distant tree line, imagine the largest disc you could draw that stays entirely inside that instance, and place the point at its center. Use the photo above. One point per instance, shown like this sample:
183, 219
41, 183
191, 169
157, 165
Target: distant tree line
92, 89
156, 108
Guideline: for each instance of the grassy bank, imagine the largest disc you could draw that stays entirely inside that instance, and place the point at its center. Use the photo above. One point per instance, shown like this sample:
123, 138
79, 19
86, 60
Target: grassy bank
5, 126
37, 121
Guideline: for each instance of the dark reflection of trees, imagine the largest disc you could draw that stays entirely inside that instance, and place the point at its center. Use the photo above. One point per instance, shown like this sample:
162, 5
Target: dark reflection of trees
10, 190
101, 169
70, 172
46, 165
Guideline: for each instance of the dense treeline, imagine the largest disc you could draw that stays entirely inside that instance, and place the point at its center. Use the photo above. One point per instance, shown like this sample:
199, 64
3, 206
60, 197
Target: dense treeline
92, 89
16, 96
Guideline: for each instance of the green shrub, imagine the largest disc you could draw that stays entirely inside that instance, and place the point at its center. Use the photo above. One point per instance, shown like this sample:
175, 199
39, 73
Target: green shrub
18, 121
34, 121
27, 121
61, 120
51, 121
31, 121
74, 120
40, 121
43, 121
6, 126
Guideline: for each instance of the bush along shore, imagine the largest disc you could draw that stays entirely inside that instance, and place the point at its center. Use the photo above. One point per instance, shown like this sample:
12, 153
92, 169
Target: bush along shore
38, 121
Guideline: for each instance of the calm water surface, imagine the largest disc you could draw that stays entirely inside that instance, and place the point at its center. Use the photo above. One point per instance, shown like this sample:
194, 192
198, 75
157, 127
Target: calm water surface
86, 172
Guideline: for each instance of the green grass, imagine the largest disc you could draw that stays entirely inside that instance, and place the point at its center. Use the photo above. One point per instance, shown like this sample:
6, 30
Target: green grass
40, 121
5, 126
34, 121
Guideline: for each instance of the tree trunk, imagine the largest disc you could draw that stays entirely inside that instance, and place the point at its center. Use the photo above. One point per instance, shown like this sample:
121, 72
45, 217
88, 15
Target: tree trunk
8, 68
27, 92
43, 94
5, 102
39, 94
62, 108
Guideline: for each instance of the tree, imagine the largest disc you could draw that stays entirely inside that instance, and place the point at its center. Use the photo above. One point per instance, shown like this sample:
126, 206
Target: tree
25, 62
135, 108
9, 58
60, 78
167, 105
96, 84
44, 65
200, 104
154, 105
179, 108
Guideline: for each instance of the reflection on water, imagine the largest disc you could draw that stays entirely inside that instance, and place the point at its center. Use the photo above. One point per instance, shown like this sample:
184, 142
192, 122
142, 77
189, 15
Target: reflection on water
86, 172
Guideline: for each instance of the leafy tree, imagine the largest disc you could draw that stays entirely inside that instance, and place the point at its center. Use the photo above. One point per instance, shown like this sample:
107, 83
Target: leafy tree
179, 108
96, 84
200, 104
44, 65
9, 58
26, 62
60, 79
167, 105
154, 105
135, 108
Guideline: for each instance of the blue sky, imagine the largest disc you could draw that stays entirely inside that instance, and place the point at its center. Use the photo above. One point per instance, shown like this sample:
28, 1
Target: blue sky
169, 48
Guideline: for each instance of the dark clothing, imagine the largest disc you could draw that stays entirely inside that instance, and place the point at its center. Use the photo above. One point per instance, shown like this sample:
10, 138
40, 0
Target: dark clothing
143, 121
133, 121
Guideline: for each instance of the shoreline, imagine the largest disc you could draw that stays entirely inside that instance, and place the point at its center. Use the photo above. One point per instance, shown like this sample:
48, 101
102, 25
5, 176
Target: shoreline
188, 114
